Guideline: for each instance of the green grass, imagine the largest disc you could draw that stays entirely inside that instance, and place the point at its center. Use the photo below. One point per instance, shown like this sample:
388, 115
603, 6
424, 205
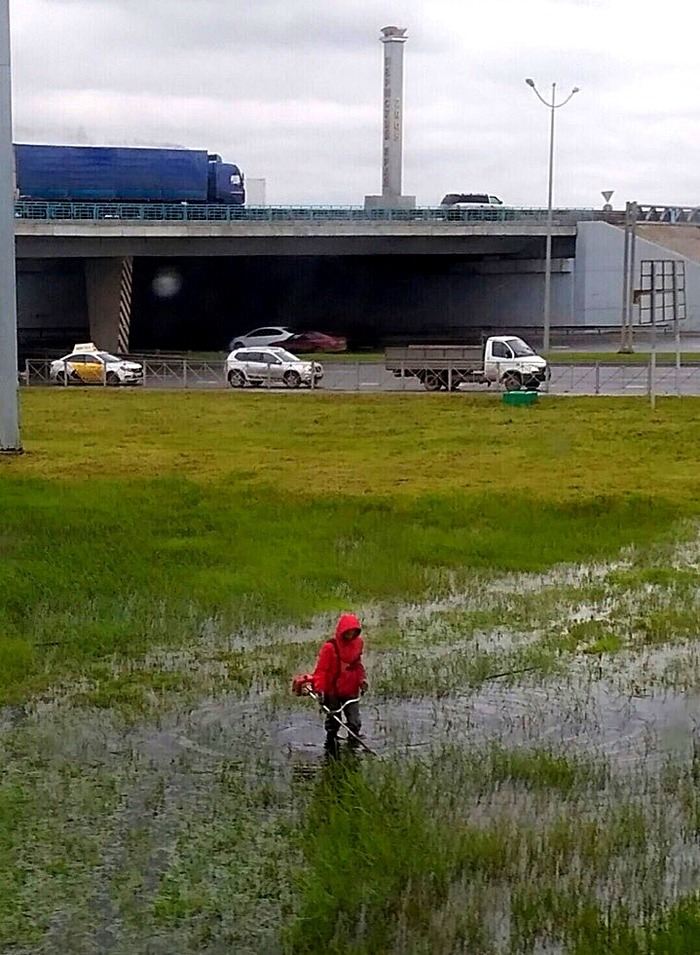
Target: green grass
155, 546
408, 445
133, 519
389, 851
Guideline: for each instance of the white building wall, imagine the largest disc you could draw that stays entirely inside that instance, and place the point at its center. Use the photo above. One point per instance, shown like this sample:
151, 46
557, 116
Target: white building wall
599, 273
255, 192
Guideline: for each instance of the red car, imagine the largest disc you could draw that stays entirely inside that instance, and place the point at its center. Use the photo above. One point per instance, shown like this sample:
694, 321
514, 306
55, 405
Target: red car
315, 342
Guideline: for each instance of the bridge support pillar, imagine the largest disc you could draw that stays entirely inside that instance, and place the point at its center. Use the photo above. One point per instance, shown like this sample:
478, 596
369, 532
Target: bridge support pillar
108, 284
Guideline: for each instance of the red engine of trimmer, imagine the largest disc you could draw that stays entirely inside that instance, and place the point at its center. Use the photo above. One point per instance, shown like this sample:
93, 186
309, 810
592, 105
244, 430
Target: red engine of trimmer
302, 684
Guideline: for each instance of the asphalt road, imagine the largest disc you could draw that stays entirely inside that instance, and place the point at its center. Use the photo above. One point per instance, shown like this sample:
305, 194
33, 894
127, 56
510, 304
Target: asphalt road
566, 379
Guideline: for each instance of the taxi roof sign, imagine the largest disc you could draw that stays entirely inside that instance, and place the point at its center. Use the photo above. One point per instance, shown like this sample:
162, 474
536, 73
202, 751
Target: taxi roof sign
85, 346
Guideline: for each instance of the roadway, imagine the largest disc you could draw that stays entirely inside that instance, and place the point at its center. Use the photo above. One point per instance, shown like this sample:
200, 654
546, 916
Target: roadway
571, 379
371, 377
367, 377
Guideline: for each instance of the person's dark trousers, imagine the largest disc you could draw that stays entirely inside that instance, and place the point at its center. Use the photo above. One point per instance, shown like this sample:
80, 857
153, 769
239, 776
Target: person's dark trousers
352, 718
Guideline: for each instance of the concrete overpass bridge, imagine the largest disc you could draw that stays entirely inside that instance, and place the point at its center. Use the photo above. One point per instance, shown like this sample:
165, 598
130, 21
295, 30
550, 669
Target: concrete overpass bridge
184, 276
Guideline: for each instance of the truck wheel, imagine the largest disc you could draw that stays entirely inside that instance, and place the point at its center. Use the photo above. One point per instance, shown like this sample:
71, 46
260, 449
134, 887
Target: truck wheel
431, 381
512, 381
445, 381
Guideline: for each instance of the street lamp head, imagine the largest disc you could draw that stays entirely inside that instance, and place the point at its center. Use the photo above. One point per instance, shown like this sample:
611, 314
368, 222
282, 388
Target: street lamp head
575, 90
530, 82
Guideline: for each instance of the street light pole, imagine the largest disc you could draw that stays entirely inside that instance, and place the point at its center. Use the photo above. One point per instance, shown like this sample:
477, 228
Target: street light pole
552, 106
9, 410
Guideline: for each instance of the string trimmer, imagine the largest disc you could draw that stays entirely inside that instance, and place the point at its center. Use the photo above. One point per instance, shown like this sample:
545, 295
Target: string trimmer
302, 686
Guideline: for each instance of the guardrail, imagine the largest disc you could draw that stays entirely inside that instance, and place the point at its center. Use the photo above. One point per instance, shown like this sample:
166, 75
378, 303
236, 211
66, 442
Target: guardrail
192, 212
595, 378
669, 214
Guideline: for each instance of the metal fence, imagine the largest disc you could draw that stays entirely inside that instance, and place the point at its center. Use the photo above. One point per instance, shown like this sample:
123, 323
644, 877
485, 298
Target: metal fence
638, 378
186, 212
596, 378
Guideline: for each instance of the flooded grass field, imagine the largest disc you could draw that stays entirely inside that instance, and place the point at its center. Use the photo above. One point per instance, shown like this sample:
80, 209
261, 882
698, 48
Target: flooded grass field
535, 691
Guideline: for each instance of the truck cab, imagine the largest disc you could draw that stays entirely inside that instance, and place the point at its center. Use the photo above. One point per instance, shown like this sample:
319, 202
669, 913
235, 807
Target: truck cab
226, 183
511, 361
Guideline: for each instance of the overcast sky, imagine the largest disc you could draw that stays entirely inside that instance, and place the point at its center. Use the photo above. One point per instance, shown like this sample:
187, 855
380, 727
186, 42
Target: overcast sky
291, 90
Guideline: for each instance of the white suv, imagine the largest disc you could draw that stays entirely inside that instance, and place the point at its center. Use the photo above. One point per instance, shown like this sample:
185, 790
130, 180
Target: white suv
270, 366
471, 200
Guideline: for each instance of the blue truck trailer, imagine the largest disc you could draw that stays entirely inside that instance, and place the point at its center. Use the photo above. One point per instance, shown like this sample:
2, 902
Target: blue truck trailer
125, 174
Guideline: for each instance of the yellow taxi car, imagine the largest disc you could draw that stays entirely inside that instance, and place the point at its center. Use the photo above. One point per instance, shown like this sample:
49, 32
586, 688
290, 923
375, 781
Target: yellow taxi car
87, 365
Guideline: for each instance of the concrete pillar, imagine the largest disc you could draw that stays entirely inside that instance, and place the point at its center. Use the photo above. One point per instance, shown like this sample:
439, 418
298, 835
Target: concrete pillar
9, 403
108, 283
393, 39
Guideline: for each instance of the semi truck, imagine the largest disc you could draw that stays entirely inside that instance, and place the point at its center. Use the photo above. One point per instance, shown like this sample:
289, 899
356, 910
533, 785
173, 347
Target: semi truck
502, 359
125, 174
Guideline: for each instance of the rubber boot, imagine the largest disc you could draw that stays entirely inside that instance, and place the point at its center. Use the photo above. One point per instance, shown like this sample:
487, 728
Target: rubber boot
332, 746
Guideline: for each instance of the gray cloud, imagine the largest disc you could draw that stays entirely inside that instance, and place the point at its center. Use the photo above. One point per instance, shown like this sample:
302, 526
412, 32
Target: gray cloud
292, 91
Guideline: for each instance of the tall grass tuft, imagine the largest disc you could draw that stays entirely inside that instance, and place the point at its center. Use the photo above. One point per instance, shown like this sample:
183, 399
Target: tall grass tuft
103, 568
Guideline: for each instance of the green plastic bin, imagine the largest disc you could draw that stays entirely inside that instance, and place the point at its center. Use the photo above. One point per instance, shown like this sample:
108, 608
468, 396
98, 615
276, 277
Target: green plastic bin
520, 397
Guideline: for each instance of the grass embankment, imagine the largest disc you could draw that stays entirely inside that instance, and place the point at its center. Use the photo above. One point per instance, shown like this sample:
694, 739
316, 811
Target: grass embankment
138, 522
134, 518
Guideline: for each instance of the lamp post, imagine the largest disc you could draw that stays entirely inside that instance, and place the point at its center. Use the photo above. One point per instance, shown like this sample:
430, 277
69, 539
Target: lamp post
9, 411
551, 106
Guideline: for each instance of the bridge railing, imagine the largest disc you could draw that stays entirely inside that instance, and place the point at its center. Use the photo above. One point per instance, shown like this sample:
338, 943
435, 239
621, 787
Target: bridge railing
668, 214
193, 212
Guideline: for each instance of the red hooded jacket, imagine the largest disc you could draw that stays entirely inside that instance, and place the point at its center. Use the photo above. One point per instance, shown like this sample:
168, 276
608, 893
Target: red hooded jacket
339, 669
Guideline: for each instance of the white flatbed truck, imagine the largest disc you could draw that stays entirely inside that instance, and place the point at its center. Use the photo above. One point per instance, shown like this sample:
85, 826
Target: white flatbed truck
502, 359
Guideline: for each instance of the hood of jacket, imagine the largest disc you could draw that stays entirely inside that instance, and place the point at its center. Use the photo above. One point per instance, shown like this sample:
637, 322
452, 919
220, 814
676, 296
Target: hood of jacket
348, 621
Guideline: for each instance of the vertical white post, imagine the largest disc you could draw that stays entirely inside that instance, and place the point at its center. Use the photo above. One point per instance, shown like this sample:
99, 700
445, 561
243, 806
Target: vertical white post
9, 399
624, 345
676, 323
652, 362
551, 106
631, 276
393, 39
548, 241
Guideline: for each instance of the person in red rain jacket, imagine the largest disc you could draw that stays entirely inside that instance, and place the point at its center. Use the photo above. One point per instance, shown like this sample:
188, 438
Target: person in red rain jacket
340, 676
